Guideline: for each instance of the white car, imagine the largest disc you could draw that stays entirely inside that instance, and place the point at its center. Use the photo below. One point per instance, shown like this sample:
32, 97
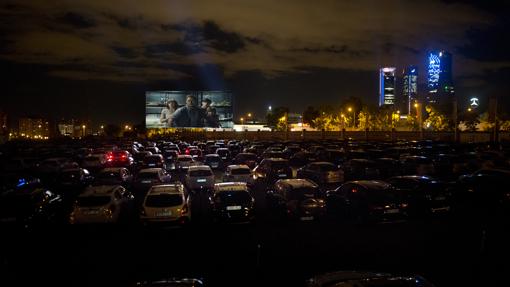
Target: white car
238, 173
94, 162
184, 161
200, 176
101, 204
165, 203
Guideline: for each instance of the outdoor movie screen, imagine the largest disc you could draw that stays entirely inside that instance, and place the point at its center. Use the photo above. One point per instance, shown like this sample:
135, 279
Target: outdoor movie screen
188, 109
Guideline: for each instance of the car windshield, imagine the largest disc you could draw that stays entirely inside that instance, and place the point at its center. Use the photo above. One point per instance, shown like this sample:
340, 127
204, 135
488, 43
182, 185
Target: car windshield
302, 193
152, 159
147, 175
163, 200
92, 201
200, 172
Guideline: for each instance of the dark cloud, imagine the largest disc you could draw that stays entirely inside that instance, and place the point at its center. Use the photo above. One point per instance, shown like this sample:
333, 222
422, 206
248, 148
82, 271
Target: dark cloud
77, 20
221, 40
489, 43
333, 49
179, 48
125, 52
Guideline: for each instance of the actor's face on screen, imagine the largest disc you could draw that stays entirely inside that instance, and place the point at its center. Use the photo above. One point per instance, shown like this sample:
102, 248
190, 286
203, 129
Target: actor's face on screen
190, 101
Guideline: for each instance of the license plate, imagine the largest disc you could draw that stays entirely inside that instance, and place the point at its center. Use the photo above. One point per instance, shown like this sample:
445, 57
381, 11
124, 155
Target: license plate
146, 181
282, 175
392, 211
446, 208
440, 198
152, 164
164, 213
306, 218
214, 165
234, 207
201, 180
224, 157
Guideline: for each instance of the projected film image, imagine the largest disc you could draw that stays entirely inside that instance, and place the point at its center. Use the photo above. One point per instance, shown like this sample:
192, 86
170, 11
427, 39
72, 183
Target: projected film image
188, 109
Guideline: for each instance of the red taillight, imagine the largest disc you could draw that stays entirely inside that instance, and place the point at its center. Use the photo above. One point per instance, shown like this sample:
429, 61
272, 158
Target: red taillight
184, 209
187, 151
123, 156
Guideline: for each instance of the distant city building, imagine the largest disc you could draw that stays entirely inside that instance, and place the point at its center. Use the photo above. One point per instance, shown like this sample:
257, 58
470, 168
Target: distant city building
34, 128
440, 80
387, 86
410, 88
66, 128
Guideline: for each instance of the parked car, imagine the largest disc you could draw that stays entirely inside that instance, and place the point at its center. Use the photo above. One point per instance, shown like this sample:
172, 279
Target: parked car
154, 160
119, 158
224, 154
102, 204
200, 176
238, 173
272, 169
74, 179
114, 176
296, 199
417, 165
424, 195
148, 177
30, 206
165, 203
249, 159
322, 173
366, 201
361, 169
94, 162
214, 161
233, 202
355, 278
183, 162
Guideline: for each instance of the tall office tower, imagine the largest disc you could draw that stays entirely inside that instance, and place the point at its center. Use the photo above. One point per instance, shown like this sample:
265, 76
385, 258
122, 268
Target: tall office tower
410, 88
387, 86
440, 80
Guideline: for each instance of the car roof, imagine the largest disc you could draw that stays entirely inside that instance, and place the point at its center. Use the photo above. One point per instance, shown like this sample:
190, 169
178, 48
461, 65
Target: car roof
150, 170
371, 184
297, 183
275, 159
184, 156
230, 186
413, 177
199, 167
175, 188
321, 163
238, 166
99, 190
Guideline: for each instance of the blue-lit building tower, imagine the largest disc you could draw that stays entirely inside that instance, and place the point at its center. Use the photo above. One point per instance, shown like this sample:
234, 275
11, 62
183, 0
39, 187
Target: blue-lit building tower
439, 78
409, 88
387, 86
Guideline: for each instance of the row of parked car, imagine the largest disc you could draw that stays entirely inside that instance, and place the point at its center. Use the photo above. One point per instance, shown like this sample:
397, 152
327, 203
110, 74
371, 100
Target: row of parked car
133, 180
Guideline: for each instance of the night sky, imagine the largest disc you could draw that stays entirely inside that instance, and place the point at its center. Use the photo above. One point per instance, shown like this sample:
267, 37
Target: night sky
95, 59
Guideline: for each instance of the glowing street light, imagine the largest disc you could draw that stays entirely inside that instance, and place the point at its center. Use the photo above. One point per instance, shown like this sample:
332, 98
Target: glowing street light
469, 109
242, 121
249, 115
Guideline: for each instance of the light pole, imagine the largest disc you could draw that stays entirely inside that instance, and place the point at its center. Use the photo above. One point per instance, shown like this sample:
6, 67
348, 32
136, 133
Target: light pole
249, 117
83, 127
353, 117
419, 116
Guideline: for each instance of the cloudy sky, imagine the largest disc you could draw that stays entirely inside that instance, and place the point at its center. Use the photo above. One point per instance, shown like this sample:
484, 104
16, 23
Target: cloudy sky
97, 58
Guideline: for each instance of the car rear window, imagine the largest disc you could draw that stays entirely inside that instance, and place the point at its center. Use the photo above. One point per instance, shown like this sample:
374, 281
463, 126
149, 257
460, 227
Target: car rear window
279, 165
244, 157
234, 197
147, 175
240, 171
91, 201
327, 167
200, 172
185, 159
163, 200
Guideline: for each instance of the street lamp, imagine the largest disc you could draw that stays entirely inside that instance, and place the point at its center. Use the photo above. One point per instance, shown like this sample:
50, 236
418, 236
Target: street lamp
469, 109
83, 127
353, 117
242, 121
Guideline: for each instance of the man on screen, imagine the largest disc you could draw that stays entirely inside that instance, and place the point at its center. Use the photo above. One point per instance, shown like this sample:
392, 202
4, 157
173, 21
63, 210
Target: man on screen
189, 115
211, 118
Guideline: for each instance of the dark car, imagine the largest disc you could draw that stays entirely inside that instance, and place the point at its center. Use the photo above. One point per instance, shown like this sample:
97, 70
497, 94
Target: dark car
298, 199
424, 195
417, 165
225, 154
485, 190
114, 176
120, 158
29, 207
214, 161
361, 169
301, 158
322, 173
366, 200
154, 160
249, 159
233, 202
170, 154
148, 177
353, 278
272, 169
138, 157
74, 179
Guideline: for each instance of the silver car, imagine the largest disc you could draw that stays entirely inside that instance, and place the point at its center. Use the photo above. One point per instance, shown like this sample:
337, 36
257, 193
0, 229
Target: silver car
239, 173
200, 176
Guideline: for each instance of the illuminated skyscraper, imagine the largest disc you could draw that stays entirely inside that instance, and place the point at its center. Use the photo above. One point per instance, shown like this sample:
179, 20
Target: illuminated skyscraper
439, 81
410, 88
387, 86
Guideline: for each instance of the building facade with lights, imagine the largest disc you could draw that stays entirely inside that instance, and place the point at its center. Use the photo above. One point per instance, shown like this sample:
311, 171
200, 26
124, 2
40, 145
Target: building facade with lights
439, 78
34, 128
409, 88
387, 86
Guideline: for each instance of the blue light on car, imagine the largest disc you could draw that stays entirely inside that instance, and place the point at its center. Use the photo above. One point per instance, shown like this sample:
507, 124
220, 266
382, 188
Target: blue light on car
21, 182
